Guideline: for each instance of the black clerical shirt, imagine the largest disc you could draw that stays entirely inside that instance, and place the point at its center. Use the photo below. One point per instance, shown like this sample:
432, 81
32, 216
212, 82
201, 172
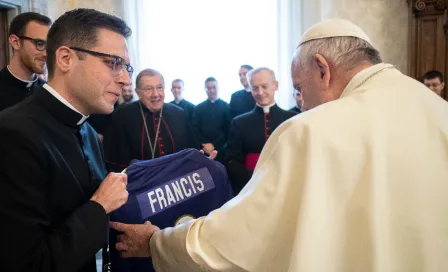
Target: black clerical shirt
187, 106
210, 122
51, 164
14, 90
295, 109
241, 102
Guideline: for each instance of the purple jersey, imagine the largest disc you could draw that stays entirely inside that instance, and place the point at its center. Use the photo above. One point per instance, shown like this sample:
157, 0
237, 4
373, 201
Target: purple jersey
167, 191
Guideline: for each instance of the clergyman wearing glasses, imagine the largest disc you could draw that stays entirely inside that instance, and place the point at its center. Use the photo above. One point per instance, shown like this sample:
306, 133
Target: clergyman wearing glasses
28, 40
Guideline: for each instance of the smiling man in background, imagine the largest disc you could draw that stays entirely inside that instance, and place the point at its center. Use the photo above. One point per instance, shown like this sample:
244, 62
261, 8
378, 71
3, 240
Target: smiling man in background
28, 39
249, 131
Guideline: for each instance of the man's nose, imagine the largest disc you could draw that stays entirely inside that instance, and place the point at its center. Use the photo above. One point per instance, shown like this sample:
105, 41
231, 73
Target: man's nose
125, 78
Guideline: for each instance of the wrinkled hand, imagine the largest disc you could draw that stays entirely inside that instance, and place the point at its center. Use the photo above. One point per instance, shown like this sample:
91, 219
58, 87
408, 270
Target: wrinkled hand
134, 240
212, 156
112, 193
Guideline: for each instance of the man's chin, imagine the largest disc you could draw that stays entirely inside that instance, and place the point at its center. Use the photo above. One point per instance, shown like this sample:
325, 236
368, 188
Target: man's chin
39, 70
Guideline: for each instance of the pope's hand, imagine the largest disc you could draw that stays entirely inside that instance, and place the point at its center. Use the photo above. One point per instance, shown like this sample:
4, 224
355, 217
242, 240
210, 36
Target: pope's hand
134, 239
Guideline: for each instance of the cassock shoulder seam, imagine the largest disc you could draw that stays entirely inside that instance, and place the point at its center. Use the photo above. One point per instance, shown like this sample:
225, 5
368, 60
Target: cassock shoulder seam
243, 117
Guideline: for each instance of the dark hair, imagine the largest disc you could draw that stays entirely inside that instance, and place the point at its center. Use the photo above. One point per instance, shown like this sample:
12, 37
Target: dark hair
150, 73
247, 66
78, 28
19, 23
433, 74
209, 79
178, 80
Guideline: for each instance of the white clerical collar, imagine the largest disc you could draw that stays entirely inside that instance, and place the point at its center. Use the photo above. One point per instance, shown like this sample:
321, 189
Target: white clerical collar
65, 102
267, 108
248, 89
28, 82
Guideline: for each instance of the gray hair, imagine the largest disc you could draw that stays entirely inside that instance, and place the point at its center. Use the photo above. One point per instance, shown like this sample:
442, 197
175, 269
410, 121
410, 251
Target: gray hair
258, 70
150, 73
346, 52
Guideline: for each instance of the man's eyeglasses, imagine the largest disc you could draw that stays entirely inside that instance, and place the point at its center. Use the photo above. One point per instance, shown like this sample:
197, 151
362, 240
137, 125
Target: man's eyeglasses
151, 89
41, 45
116, 63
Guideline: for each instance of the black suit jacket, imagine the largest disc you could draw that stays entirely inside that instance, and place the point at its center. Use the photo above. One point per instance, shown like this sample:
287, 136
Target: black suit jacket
50, 167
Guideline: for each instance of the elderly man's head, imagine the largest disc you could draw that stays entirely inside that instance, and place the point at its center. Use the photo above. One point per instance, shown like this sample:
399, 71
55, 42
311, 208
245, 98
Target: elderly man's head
323, 66
263, 85
150, 88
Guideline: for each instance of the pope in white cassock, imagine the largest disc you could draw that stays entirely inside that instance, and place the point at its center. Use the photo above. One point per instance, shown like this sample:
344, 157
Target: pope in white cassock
359, 182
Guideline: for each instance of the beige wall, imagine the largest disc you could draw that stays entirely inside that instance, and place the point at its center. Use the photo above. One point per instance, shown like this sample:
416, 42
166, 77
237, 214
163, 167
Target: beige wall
57, 7
385, 21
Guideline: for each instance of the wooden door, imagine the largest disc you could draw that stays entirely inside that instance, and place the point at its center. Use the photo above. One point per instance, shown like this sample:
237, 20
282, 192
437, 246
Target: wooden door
4, 46
428, 38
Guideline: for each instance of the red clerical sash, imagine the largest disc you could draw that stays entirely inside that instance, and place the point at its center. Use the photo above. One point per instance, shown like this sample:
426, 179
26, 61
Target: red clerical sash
251, 160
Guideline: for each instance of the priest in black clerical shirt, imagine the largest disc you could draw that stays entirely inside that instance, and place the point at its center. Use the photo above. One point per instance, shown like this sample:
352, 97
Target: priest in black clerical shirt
55, 196
210, 119
177, 88
242, 100
148, 128
299, 100
28, 39
250, 131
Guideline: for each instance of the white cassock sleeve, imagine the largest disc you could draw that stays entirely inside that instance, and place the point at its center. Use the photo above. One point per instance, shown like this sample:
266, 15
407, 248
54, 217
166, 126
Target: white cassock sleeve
252, 230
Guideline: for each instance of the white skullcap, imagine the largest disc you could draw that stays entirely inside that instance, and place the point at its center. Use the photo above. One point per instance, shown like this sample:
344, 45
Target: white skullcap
333, 28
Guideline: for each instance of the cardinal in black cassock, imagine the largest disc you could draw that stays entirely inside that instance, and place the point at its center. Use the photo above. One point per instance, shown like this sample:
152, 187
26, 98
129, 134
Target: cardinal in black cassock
148, 128
129, 138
